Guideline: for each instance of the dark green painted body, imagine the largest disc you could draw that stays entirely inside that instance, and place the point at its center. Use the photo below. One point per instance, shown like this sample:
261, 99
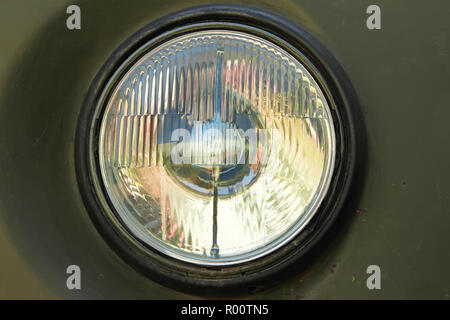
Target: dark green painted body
399, 218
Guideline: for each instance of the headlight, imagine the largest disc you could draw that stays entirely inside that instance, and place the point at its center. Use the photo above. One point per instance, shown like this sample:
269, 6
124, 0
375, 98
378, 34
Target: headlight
215, 149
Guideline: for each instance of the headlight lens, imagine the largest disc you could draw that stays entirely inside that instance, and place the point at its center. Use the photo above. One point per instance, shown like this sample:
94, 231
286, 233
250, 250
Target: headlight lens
216, 147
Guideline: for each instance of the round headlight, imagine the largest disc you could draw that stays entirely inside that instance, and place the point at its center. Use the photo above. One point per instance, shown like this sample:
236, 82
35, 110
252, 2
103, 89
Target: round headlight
216, 147
213, 152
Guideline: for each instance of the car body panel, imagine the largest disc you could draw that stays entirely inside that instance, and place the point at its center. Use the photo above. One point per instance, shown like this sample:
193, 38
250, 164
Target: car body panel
398, 217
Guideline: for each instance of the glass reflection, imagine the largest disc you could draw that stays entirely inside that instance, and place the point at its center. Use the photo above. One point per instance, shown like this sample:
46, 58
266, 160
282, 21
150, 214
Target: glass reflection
216, 147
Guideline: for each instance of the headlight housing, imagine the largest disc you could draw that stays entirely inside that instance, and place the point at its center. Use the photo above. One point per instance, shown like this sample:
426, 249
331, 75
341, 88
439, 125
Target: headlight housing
216, 149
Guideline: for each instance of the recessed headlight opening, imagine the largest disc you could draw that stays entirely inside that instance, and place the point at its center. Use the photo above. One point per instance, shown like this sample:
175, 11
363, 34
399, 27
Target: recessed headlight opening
216, 148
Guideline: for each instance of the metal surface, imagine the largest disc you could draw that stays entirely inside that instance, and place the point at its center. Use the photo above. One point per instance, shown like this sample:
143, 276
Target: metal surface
399, 214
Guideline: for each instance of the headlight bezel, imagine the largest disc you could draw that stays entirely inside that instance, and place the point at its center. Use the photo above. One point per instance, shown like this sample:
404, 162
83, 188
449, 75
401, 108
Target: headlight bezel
297, 42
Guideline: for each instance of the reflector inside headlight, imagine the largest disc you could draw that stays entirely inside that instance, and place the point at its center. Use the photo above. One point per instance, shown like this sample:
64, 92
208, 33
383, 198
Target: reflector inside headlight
216, 147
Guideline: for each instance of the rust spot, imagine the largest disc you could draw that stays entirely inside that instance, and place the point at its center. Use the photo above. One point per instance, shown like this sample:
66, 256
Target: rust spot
361, 211
252, 290
333, 267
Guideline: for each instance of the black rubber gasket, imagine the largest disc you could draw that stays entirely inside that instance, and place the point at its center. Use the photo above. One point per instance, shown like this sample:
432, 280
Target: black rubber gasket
267, 270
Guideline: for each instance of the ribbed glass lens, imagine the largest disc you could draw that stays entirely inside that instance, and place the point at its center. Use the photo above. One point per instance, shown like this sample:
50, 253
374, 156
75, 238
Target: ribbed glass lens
216, 147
